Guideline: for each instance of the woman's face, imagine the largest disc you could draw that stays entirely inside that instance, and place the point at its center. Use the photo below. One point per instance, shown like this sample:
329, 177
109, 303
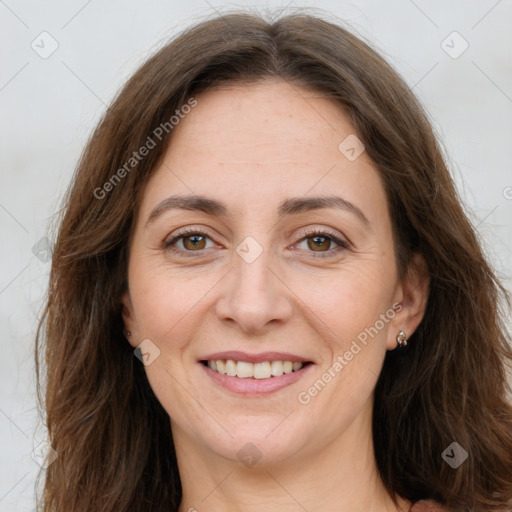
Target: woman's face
253, 275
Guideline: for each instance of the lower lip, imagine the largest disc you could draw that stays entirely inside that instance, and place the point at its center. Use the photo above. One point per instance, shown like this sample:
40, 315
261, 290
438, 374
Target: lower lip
252, 386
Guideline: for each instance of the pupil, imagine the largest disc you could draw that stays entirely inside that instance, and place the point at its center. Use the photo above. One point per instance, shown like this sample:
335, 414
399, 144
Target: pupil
318, 241
192, 241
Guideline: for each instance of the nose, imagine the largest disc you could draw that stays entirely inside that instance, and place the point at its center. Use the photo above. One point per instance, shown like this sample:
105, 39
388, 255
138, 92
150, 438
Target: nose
254, 295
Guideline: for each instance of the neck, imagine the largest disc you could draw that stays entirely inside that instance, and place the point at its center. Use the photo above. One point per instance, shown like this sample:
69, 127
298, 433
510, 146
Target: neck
342, 472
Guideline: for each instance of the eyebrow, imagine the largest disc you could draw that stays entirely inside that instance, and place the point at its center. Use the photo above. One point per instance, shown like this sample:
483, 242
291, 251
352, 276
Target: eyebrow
289, 206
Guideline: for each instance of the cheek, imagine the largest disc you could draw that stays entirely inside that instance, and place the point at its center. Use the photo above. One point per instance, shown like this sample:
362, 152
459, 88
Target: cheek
348, 300
352, 311
164, 299
166, 304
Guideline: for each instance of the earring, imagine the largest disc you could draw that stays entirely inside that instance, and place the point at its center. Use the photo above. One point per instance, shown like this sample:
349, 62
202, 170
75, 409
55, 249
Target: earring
401, 339
127, 333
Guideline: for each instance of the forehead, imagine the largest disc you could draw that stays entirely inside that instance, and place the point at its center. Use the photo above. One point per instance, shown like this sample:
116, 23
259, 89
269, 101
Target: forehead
250, 116
260, 143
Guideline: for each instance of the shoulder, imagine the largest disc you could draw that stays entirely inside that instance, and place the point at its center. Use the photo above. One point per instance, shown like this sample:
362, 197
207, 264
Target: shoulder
428, 506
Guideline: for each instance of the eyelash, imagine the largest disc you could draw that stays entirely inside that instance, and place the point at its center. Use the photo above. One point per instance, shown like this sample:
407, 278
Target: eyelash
343, 245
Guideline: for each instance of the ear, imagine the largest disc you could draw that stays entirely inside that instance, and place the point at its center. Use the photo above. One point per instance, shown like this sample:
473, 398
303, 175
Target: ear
129, 321
411, 298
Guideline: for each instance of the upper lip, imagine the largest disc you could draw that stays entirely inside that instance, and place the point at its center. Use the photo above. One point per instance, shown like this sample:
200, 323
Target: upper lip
237, 355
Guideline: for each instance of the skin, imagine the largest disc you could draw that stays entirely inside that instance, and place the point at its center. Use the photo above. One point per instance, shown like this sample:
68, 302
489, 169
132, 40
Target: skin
252, 147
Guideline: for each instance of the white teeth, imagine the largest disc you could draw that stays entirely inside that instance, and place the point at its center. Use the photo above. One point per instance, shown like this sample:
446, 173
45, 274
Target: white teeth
221, 366
230, 368
244, 370
261, 370
276, 368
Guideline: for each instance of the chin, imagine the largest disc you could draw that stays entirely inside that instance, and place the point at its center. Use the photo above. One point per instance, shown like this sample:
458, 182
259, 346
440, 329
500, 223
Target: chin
262, 441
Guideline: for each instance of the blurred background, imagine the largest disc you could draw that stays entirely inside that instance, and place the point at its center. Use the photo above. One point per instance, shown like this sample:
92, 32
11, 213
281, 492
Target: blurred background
62, 63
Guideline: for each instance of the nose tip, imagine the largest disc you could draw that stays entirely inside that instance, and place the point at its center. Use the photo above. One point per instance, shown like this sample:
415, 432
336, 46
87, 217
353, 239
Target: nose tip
254, 297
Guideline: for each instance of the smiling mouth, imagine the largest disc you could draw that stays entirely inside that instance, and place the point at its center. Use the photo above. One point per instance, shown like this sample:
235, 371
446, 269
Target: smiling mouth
247, 370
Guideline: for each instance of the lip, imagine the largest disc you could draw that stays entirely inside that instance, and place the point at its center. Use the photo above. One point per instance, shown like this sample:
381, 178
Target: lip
251, 386
261, 357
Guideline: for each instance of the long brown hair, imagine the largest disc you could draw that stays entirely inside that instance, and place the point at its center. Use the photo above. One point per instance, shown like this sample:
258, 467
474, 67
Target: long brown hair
112, 436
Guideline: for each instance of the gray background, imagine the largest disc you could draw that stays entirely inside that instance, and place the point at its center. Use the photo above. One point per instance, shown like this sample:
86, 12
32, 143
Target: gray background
50, 105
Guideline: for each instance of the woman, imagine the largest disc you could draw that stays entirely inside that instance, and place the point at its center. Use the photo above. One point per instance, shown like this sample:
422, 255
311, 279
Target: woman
265, 294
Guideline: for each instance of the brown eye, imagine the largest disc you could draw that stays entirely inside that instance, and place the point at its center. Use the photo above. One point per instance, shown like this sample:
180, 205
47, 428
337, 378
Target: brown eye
317, 243
187, 242
192, 242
